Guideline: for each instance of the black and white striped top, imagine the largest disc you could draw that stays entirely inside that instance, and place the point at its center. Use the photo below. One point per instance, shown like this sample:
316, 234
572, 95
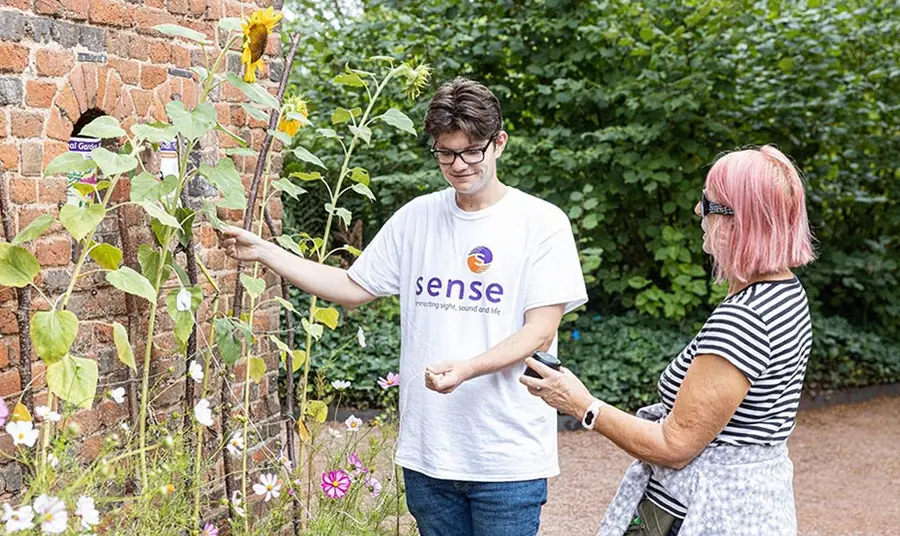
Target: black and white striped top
764, 331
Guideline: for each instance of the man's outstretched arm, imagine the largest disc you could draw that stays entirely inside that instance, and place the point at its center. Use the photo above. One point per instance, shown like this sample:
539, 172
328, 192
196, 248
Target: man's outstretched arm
327, 282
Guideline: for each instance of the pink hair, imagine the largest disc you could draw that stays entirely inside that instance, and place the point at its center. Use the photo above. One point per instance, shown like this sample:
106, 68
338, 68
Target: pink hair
769, 231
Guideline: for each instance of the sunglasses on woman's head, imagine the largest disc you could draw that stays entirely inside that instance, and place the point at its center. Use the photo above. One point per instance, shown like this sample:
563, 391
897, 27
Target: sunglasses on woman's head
708, 207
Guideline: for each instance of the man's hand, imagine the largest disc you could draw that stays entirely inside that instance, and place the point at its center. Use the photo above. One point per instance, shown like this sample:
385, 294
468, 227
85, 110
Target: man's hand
242, 245
446, 376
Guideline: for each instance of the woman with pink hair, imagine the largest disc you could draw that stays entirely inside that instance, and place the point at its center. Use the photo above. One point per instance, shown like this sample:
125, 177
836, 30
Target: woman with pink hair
712, 455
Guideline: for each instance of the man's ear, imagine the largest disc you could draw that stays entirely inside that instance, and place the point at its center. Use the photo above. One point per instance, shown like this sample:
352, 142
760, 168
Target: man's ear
500, 142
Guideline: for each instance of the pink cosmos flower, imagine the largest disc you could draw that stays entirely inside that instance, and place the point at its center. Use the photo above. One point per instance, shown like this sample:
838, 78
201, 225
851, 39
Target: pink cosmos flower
373, 484
358, 466
335, 484
210, 530
392, 380
4, 412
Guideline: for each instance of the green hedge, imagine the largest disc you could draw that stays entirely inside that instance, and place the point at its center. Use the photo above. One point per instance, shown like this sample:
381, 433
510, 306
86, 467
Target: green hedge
619, 358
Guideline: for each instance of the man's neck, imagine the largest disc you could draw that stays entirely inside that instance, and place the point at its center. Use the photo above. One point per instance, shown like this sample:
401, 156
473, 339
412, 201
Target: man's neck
490, 195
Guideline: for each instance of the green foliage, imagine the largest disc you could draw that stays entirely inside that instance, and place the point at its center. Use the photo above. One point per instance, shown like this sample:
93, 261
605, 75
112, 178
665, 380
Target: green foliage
616, 109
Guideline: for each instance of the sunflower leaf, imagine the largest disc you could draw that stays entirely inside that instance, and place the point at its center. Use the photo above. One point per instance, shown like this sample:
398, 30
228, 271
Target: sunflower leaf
254, 92
230, 24
175, 30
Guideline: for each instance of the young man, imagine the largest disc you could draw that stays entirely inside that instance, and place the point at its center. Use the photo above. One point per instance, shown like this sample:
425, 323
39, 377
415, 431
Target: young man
484, 273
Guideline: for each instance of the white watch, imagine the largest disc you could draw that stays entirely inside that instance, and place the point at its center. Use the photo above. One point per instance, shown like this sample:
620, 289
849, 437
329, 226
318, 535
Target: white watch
590, 416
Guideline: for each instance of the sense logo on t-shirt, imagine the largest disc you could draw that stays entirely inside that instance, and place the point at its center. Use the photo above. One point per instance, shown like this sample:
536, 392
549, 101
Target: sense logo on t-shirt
462, 289
480, 259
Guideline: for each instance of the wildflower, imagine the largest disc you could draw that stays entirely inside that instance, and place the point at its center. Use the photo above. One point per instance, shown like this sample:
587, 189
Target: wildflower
268, 486
236, 503
125, 428
256, 34
334, 433
373, 485
195, 371
353, 423
20, 519
4, 411
392, 380
118, 394
294, 116
285, 461
46, 414
52, 460
85, 509
210, 530
340, 385
202, 413
361, 337
358, 466
236, 443
167, 489
22, 432
183, 300
335, 484
52, 514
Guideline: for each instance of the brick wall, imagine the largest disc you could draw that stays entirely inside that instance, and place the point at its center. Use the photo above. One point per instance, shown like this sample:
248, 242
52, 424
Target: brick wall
58, 60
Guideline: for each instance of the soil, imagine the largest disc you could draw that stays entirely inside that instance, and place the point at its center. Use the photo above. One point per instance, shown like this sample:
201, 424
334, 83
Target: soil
846, 474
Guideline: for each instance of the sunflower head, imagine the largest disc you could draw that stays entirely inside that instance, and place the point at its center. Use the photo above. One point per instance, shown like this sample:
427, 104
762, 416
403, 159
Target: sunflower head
293, 118
416, 78
257, 28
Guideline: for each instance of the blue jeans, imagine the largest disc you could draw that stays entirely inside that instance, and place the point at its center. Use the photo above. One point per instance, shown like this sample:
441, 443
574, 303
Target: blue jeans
460, 508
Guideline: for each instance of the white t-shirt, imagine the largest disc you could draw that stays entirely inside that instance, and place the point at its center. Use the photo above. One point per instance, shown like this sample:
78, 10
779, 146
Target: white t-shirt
465, 280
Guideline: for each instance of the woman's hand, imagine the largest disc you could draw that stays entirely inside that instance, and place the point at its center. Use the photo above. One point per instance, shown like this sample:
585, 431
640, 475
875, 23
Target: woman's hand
242, 245
560, 389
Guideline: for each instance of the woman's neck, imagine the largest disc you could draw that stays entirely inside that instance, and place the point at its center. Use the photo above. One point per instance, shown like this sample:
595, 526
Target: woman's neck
736, 286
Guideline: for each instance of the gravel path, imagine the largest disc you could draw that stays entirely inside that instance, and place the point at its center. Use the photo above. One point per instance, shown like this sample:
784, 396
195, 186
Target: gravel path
846, 474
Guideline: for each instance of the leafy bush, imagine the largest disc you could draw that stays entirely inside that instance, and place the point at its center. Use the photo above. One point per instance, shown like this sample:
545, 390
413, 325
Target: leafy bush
844, 357
615, 110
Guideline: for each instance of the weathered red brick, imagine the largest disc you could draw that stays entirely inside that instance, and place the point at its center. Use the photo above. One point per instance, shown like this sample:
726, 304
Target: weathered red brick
58, 127
26, 124
152, 76
52, 149
23, 191
139, 48
55, 251
53, 62
52, 190
2, 124
10, 382
15, 58
142, 100
160, 51
70, 9
76, 80
39, 94
124, 108
89, 73
67, 104
113, 92
129, 70
111, 13
9, 156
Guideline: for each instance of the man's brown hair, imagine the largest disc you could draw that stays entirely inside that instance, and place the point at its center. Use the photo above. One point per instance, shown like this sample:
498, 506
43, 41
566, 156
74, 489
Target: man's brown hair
466, 105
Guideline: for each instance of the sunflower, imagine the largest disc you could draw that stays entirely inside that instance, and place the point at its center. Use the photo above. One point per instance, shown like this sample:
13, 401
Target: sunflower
293, 118
256, 34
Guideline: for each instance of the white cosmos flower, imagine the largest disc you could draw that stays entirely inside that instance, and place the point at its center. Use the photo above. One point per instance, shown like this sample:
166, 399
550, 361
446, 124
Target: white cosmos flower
361, 337
52, 460
335, 433
268, 486
22, 432
202, 413
353, 423
118, 394
236, 503
51, 514
45, 413
340, 385
195, 371
183, 300
19, 519
88, 513
236, 444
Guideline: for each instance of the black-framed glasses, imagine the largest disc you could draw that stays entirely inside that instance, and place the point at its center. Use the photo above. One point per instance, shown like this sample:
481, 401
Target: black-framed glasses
446, 157
708, 207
